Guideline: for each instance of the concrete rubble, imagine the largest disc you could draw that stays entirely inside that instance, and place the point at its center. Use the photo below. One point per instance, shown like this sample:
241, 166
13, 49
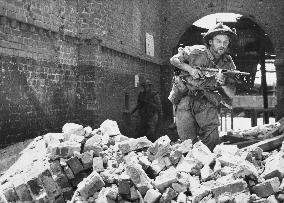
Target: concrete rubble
101, 165
262, 131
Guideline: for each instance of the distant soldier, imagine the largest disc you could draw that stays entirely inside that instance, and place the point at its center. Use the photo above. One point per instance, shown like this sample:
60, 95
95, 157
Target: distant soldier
198, 95
149, 109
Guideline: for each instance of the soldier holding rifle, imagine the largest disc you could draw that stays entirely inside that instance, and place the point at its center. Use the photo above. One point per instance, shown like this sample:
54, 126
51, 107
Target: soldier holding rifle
198, 92
149, 109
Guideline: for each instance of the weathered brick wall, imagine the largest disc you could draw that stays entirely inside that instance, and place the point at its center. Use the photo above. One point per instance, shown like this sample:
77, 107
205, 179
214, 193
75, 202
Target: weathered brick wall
38, 79
38, 67
73, 61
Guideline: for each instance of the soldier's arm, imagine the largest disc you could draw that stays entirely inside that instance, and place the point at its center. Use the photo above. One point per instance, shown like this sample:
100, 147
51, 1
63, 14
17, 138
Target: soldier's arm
178, 61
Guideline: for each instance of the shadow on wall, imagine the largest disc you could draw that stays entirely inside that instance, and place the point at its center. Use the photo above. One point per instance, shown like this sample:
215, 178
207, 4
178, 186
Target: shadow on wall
32, 106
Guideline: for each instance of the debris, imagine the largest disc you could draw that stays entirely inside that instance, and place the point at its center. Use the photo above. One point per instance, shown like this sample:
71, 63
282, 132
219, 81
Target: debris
101, 165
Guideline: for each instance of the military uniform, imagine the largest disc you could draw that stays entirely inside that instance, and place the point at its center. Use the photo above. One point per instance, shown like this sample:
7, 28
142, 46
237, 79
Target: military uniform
197, 112
149, 108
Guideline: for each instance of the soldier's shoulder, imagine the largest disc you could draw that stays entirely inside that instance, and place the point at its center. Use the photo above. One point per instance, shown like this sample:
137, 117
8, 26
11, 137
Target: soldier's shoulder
198, 49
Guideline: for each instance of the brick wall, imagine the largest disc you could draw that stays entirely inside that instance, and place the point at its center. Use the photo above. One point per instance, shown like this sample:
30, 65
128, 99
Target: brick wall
67, 62
38, 79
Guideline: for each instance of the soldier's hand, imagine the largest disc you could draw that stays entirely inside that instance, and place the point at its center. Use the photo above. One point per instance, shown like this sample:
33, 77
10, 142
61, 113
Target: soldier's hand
220, 78
196, 73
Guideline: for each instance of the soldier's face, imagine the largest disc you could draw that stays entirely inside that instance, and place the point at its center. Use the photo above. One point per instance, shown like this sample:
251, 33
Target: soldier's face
219, 44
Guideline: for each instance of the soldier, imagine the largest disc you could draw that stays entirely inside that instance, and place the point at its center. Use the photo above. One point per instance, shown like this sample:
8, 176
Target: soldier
149, 110
197, 104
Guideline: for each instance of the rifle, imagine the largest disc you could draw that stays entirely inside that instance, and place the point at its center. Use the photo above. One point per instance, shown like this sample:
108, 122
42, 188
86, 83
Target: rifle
234, 76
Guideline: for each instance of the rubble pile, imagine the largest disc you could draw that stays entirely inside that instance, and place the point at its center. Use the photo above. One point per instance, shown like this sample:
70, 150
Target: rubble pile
101, 165
261, 132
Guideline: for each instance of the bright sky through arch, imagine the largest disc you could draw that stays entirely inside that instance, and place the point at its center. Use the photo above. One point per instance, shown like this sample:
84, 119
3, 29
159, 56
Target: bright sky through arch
210, 20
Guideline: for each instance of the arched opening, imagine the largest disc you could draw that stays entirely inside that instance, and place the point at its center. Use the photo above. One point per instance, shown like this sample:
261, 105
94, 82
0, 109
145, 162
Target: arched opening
252, 52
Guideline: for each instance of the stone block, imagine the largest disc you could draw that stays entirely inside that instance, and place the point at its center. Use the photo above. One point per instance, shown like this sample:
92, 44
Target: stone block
202, 153
42, 198
64, 149
124, 184
165, 179
168, 195
178, 187
175, 156
50, 186
242, 197
181, 198
62, 180
267, 188
75, 165
272, 199
244, 169
22, 191
69, 173
134, 144
73, 128
108, 177
68, 194
152, 196
280, 197
112, 193
158, 165
2, 198
232, 187
230, 150
161, 147
35, 186
139, 178
9, 192
185, 146
79, 178
55, 167
189, 165
94, 144
206, 173
87, 159
109, 128
134, 194
59, 199
231, 161
274, 166
144, 162
98, 164
53, 138
199, 192
90, 185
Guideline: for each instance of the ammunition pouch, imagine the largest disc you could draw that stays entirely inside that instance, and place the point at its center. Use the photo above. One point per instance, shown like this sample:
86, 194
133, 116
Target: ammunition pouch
179, 90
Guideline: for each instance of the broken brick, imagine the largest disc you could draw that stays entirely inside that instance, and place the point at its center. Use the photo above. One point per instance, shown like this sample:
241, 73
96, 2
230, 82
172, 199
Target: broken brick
124, 184
168, 195
152, 196
90, 185
165, 179
267, 188
75, 165
98, 164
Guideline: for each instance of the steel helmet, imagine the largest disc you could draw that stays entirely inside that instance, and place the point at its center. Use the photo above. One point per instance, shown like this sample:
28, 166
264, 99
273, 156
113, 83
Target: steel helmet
218, 29
146, 82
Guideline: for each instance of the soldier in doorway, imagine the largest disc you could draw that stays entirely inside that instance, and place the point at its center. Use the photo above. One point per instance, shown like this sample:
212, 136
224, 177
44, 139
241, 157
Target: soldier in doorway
149, 109
198, 95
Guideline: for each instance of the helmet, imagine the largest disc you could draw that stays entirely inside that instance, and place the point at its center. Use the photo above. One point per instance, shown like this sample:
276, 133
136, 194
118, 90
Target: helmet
218, 29
146, 82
